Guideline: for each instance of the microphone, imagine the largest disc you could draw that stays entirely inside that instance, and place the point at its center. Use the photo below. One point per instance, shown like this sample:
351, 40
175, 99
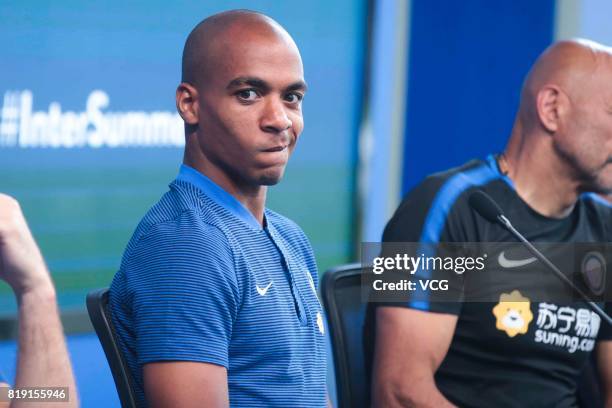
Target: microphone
490, 210
485, 206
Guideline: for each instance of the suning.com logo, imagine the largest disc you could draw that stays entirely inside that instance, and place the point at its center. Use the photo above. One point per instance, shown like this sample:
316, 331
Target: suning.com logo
92, 128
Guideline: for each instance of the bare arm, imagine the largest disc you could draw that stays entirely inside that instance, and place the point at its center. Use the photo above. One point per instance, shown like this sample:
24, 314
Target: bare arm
410, 345
604, 365
185, 384
43, 358
4, 386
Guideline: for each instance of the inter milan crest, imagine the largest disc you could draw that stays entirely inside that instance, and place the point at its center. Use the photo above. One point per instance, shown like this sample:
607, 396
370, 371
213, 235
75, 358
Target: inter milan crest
593, 270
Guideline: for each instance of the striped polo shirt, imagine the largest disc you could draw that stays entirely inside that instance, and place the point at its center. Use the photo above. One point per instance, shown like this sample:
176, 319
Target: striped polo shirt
201, 280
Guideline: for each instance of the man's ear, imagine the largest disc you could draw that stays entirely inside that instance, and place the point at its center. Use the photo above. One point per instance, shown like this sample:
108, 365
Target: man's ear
551, 104
187, 103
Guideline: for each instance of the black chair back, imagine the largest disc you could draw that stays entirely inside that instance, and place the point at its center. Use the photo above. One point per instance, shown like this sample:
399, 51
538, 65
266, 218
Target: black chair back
341, 291
99, 313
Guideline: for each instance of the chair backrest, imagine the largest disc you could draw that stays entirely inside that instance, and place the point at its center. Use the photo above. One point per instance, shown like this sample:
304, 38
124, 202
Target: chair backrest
99, 313
341, 291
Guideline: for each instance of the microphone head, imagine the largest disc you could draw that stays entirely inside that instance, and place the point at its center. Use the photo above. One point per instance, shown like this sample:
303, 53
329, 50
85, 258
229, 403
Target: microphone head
485, 206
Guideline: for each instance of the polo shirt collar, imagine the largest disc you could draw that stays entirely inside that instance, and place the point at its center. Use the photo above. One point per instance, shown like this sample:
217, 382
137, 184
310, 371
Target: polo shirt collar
217, 194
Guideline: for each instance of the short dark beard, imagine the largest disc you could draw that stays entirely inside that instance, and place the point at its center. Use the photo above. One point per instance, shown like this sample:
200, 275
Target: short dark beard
266, 180
589, 180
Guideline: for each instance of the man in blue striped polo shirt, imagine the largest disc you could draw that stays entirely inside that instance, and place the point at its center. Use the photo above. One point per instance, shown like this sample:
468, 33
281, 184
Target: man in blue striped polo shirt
215, 301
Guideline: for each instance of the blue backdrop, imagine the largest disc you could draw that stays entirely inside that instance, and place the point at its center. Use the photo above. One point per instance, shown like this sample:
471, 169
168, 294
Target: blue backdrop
467, 63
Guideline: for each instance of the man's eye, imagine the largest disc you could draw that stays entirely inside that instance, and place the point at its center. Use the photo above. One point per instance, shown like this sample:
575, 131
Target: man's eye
247, 95
294, 97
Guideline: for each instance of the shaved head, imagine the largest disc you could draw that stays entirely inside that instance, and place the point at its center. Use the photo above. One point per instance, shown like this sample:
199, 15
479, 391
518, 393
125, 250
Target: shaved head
209, 42
241, 100
565, 115
570, 65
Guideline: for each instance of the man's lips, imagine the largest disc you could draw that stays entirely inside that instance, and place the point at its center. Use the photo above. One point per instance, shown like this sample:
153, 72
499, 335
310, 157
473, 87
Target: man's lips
275, 149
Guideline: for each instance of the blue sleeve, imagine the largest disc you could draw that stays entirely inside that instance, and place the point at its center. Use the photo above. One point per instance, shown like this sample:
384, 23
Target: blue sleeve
184, 292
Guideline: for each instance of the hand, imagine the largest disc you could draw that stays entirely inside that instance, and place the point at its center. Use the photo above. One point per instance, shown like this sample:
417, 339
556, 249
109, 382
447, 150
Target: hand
21, 263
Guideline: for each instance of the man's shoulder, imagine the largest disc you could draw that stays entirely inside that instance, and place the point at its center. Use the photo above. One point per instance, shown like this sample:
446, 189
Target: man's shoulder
182, 204
177, 220
172, 204
424, 211
453, 181
599, 212
179, 247
288, 229
597, 204
282, 223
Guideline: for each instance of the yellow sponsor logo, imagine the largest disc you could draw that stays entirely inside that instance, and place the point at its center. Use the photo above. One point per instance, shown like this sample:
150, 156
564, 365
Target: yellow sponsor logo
513, 313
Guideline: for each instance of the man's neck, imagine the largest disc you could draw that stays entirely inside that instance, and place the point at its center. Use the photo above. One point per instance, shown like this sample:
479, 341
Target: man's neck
253, 198
541, 178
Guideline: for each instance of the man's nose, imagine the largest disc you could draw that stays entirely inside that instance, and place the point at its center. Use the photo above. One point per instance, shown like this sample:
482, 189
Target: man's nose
275, 117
